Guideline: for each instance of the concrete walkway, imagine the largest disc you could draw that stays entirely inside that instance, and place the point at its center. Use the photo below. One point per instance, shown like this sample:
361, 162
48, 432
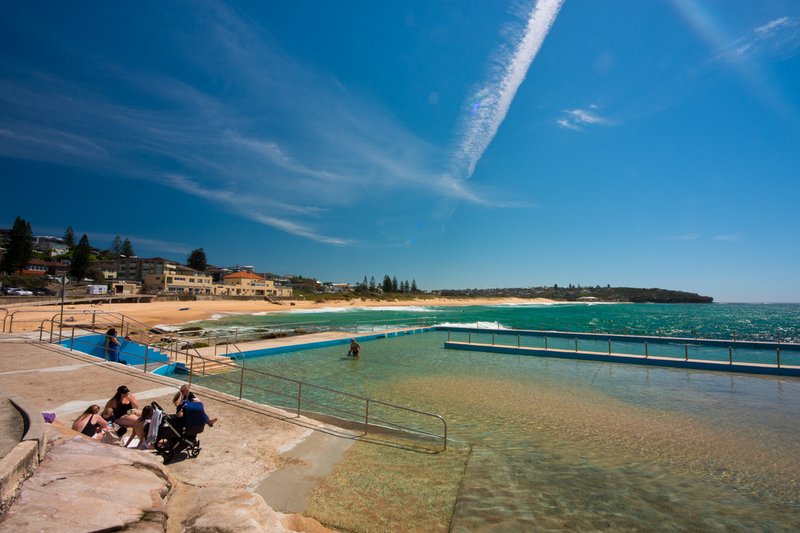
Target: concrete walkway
248, 443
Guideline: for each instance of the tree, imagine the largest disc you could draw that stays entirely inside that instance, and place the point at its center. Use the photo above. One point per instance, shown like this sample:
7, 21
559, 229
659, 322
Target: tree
405, 286
127, 249
414, 286
197, 260
387, 283
116, 246
81, 259
69, 237
364, 284
372, 285
19, 248
394, 284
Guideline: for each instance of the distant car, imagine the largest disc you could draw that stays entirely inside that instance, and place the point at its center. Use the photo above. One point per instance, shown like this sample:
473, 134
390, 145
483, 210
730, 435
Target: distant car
7, 290
42, 291
20, 292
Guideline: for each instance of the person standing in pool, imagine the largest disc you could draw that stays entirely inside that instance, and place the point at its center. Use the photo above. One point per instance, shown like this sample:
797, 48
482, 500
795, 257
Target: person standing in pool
112, 346
355, 348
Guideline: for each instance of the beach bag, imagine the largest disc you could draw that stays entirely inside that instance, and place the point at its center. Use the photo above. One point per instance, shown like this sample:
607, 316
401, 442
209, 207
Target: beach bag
110, 437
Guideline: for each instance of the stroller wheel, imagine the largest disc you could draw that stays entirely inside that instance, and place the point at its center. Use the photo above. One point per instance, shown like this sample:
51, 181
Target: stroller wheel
194, 452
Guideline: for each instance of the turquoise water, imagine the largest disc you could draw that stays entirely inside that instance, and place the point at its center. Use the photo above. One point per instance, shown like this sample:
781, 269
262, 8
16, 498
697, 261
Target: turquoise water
746, 321
576, 445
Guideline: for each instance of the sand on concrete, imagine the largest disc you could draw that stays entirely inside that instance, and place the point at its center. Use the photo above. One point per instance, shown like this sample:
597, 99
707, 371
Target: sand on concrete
29, 318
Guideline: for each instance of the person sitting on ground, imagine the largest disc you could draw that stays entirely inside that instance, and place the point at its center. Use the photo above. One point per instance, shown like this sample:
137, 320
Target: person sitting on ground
184, 394
355, 348
192, 413
124, 407
90, 423
141, 427
112, 346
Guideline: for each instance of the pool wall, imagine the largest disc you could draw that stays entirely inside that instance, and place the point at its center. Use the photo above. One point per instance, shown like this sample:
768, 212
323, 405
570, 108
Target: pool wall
630, 359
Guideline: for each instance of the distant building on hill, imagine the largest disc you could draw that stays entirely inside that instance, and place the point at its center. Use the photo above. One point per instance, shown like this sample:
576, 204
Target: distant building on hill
136, 268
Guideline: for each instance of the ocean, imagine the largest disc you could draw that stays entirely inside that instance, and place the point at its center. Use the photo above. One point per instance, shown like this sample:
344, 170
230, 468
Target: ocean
745, 321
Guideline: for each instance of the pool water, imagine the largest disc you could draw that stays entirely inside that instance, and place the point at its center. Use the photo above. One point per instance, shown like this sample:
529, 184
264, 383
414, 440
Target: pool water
578, 445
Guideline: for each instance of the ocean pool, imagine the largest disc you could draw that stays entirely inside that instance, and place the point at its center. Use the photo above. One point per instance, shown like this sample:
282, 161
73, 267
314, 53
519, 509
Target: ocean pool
574, 445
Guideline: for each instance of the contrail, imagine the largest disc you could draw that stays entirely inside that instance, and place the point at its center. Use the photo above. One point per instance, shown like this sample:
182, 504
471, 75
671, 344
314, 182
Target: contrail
493, 101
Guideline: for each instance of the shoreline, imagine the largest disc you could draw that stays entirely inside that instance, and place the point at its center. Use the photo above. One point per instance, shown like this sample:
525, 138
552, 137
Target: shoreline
176, 313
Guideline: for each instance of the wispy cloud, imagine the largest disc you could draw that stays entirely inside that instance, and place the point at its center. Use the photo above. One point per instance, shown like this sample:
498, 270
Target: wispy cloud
684, 237
576, 119
490, 104
728, 238
285, 128
777, 37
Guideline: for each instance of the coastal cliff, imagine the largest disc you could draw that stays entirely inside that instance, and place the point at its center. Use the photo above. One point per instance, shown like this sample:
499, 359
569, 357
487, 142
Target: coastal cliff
577, 294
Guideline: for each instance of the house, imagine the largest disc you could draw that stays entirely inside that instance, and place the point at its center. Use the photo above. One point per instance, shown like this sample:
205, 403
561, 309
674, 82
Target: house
53, 246
246, 283
39, 268
179, 279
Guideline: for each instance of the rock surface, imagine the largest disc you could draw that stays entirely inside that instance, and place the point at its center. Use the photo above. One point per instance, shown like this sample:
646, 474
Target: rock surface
86, 486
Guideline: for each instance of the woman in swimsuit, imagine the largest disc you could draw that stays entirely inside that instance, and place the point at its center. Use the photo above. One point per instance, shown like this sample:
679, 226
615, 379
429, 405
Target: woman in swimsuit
125, 407
141, 427
90, 423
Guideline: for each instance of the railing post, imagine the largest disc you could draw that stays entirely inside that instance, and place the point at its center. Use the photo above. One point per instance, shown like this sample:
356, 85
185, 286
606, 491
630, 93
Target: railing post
492, 339
734, 336
469, 337
609, 346
779, 356
72, 339
241, 381
645, 349
576, 344
94, 316
686, 352
235, 335
146, 356
730, 355
366, 419
299, 396
517, 341
545, 342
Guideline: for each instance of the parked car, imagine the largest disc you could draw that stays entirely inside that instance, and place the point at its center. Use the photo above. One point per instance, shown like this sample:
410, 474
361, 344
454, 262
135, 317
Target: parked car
20, 292
43, 291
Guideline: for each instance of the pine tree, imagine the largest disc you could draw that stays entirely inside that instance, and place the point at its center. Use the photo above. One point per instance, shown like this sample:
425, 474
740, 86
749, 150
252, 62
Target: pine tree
395, 288
387, 283
127, 249
69, 237
414, 286
364, 284
197, 260
19, 248
81, 259
116, 246
372, 285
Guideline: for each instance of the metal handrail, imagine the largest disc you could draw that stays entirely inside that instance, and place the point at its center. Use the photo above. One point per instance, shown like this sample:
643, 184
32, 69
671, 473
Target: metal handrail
647, 353
299, 397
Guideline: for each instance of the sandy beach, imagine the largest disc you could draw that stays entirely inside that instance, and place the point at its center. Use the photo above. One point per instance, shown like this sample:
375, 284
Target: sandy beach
29, 318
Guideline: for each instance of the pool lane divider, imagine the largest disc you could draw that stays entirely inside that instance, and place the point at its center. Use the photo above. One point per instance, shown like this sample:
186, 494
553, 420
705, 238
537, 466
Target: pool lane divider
717, 366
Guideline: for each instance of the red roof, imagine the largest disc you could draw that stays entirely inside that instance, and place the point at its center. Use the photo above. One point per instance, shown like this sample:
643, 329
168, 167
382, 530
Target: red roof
242, 275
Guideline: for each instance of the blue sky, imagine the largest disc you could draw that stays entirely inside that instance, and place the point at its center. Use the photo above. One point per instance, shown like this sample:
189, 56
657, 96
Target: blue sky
458, 143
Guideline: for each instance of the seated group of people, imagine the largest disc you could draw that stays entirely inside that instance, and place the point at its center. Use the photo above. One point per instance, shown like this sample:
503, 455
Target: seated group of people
122, 411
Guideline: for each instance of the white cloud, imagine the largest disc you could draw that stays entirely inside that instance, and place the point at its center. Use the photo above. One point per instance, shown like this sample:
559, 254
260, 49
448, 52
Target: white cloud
564, 123
576, 119
490, 104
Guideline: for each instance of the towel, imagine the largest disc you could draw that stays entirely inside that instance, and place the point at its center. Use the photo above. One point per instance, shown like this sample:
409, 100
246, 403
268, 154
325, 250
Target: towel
155, 422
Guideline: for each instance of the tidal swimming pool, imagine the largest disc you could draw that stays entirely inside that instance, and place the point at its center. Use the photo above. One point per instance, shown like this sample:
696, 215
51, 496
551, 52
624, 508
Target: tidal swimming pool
576, 445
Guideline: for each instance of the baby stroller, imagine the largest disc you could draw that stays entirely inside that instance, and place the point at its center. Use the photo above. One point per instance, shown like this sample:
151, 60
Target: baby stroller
177, 434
